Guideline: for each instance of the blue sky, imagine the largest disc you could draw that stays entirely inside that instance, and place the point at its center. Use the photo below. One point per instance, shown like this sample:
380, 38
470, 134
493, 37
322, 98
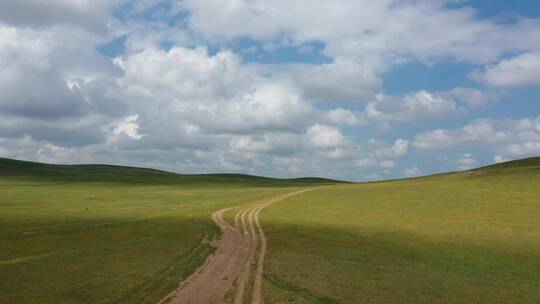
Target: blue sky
357, 90
494, 8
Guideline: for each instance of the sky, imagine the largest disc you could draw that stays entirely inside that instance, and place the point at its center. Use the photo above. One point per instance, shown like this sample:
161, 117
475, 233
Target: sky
347, 89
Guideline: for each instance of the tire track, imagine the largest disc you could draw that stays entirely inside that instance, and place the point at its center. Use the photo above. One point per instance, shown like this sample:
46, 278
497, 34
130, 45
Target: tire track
237, 263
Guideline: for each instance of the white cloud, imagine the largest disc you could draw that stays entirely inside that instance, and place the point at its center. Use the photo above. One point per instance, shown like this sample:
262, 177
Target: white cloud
291, 163
499, 159
412, 172
515, 138
280, 143
55, 89
365, 162
321, 136
345, 79
34, 77
424, 105
91, 15
150, 35
412, 107
399, 148
466, 162
183, 74
373, 30
191, 129
248, 144
529, 148
216, 93
128, 127
480, 131
521, 70
387, 164
362, 39
334, 153
472, 97
190, 109
54, 152
269, 106
344, 117
198, 112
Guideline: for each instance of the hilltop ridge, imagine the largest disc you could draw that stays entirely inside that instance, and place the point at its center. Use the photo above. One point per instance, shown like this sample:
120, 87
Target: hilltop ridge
518, 163
116, 173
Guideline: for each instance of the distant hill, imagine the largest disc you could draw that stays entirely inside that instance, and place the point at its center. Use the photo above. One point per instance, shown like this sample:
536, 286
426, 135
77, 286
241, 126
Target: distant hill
513, 164
124, 174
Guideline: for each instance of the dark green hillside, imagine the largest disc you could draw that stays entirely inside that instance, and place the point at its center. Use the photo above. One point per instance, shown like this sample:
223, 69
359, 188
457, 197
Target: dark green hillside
123, 174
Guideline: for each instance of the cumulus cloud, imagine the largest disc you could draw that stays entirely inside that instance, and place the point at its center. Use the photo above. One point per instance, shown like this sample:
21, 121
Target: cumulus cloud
499, 159
216, 92
480, 131
412, 172
466, 162
32, 82
399, 148
291, 163
170, 102
248, 144
521, 70
412, 107
365, 162
55, 89
270, 106
88, 14
387, 164
189, 103
345, 79
363, 39
278, 143
515, 138
373, 30
528, 148
361, 24
321, 136
425, 105
182, 74
471, 96
127, 127
345, 117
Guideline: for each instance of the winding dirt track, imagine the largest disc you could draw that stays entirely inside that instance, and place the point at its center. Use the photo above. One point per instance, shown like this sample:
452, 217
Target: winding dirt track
234, 272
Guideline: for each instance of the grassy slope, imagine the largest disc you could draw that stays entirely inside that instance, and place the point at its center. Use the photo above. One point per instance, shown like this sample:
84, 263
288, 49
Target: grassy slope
471, 237
132, 175
106, 234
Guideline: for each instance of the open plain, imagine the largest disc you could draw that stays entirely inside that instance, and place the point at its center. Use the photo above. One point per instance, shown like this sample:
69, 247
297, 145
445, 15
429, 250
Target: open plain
105, 234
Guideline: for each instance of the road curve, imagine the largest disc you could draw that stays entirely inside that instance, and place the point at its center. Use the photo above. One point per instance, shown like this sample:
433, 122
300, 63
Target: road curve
233, 274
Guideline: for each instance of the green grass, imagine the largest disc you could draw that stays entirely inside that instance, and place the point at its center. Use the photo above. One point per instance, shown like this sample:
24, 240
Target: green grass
33, 171
471, 237
109, 234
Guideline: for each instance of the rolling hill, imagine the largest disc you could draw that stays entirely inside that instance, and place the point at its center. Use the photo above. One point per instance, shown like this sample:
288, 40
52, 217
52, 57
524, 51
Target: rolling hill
112, 234
130, 175
464, 237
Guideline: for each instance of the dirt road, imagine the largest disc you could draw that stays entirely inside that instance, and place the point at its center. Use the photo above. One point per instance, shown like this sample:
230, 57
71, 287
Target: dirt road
234, 273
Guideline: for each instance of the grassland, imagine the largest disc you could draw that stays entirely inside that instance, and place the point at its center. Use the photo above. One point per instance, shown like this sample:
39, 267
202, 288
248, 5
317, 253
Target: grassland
108, 234
471, 237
